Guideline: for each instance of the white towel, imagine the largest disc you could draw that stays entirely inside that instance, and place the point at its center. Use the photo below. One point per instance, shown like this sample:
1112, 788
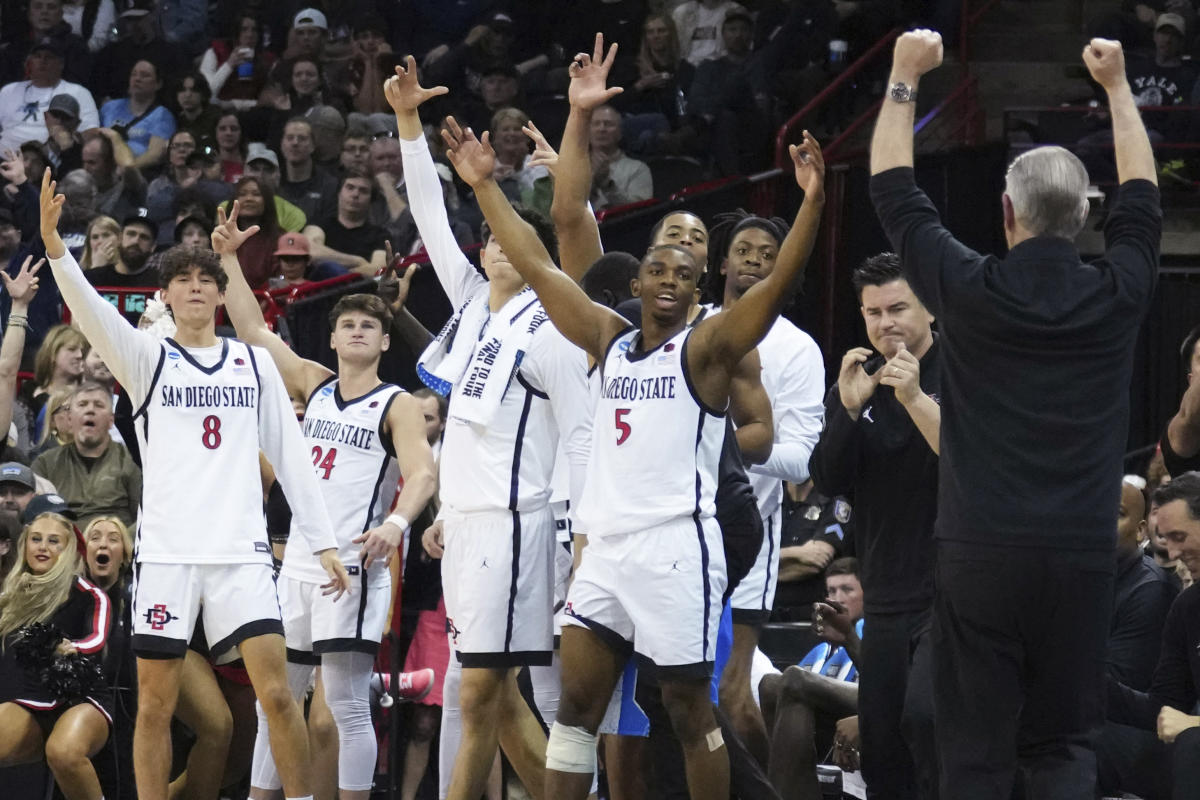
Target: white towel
476, 374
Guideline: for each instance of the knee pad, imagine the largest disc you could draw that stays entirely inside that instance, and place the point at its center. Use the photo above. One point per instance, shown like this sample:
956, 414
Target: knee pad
571, 749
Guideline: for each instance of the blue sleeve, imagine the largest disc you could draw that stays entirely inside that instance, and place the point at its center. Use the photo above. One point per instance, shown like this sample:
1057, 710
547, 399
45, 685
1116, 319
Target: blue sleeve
160, 123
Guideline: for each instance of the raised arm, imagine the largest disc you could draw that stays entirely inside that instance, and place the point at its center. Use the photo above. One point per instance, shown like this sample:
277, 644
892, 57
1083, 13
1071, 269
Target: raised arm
393, 290
728, 336
456, 274
300, 376
1135, 160
21, 289
750, 408
578, 234
588, 325
916, 53
132, 355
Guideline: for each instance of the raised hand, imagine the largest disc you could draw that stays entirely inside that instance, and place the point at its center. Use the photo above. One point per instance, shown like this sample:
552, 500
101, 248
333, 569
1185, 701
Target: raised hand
903, 373
810, 167
24, 286
394, 286
474, 160
855, 386
12, 169
1105, 61
543, 154
226, 238
51, 204
916, 53
404, 92
832, 622
589, 87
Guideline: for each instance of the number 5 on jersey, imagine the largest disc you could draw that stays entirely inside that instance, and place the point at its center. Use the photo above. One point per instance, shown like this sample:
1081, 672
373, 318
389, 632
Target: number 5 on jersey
623, 428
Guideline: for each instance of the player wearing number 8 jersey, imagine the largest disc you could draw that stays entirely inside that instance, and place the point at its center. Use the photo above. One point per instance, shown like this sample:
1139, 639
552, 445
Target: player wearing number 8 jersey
358, 429
206, 407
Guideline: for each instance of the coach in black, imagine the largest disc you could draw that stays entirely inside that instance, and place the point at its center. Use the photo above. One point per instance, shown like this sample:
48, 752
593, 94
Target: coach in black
1037, 352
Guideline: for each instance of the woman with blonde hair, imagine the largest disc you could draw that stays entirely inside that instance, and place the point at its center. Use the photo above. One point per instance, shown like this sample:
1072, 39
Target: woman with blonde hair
58, 366
103, 244
655, 106
45, 588
520, 181
55, 425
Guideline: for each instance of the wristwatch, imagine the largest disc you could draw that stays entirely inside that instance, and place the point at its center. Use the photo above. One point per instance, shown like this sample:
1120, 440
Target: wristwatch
902, 93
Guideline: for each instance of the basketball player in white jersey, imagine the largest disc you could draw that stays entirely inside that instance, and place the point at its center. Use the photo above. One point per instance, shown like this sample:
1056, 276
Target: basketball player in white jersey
654, 573
358, 429
516, 386
793, 373
205, 406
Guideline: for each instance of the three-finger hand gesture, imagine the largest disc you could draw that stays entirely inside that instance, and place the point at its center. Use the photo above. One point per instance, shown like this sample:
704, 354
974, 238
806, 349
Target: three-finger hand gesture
226, 238
589, 87
404, 92
473, 159
24, 286
543, 154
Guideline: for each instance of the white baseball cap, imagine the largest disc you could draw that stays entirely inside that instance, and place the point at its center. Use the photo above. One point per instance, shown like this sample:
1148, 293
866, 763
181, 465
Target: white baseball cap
310, 18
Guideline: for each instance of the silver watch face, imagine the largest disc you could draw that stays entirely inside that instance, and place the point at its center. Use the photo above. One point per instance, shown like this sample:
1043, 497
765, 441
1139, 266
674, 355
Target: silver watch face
901, 92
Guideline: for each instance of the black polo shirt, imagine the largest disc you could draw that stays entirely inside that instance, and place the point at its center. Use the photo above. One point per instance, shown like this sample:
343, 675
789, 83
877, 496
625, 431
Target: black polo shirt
1036, 367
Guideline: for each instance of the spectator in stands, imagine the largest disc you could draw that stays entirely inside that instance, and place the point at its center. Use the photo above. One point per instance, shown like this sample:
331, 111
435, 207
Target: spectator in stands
296, 265
306, 37
95, 474
45, 587
328, 129
302, 182
140, 119
53, 427
1180, 442
21, 288
385, 165
17, 487
815, 531
356, 151
1166, 79
880, 444
132, 267
236, 67
58, 367
499, 88
730, 94
193, 110
656, 105
120, 187
464, 64
103, 243
185, 168
138, 39
371, 63
46, 22
520, 181
347, 237
64, 141
193, 232
10, 530
699, 24
91, 20
1130, 756
262, 163
1132, 24
806, 704
231, 147
617, 179
23, 104
256, 203
79, 189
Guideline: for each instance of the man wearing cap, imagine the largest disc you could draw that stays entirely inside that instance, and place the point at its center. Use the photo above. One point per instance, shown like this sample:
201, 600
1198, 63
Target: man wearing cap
1165, 79
64, 143
23, 104
263, 164
371, 62
138, 235
306, 37
46, 20
17, 487
296, 266
95, 474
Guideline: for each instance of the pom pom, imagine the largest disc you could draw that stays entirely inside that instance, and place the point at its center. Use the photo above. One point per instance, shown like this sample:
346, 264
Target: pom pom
156, 318
35, 646
73, 677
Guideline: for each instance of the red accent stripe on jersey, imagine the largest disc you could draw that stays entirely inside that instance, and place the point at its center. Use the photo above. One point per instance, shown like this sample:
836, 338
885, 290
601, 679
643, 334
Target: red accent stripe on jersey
101, 619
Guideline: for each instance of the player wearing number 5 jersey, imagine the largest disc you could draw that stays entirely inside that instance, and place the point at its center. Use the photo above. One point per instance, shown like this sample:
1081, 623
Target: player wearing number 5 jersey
653, 574
357, 429
206, 406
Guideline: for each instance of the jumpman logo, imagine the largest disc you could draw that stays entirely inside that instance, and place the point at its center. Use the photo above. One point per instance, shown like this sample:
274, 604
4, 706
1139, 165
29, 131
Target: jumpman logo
484, 565
867, 414
674, 566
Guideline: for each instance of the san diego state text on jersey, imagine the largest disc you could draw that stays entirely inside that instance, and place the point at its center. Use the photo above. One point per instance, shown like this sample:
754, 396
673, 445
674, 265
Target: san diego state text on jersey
338, 432
210, 396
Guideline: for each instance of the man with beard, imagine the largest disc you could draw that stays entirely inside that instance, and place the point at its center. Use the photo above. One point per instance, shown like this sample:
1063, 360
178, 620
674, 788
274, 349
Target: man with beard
137, 243
95, 474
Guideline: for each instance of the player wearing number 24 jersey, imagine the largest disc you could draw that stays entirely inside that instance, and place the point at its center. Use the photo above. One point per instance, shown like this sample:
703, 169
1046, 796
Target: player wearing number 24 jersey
357, 429
206, 405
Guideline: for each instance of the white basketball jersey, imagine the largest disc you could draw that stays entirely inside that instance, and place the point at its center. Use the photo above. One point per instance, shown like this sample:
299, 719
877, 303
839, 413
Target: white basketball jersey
655, 446
356, 469
201, 490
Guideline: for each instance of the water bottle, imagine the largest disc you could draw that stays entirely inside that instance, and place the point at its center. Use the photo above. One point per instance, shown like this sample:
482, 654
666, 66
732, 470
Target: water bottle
680, 103
245, 70
838, 48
